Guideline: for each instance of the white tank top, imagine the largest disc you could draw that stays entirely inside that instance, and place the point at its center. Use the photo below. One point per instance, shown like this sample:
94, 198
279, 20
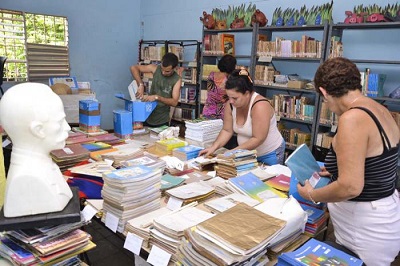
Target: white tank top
245, 132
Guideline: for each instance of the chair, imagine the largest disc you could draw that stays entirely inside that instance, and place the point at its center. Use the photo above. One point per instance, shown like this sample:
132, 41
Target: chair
2, 62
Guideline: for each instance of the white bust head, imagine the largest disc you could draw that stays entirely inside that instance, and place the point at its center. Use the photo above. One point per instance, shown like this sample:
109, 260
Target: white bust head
33, 117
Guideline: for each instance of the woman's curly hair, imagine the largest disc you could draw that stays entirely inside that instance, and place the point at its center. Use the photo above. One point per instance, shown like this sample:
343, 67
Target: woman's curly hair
337, 76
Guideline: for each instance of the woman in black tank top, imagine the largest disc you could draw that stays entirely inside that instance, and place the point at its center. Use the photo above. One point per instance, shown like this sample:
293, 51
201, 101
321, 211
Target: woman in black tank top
362, 163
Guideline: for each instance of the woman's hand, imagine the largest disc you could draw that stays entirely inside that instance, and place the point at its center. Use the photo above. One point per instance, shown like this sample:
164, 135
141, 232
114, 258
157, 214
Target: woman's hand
207, 152
324, 172
305, 190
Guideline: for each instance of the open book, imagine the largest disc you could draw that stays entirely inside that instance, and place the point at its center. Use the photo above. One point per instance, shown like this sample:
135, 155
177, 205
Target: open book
304, 166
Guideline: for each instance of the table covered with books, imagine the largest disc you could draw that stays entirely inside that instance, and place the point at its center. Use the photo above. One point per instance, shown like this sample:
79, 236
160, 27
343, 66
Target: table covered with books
159, 193
187, 210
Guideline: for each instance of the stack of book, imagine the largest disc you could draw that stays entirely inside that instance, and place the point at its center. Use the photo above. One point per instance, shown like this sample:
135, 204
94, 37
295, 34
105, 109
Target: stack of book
78, 137
251, 185
46, 245
236, 162
203, 131
168, 181
69, 156
140, 226
315, 252
168, 229
187, 152
195, 191
235, 236
289, 210
108, 138
316, 221
146, 159
123, 153
96, 146
166, 146
155, 131
130, 192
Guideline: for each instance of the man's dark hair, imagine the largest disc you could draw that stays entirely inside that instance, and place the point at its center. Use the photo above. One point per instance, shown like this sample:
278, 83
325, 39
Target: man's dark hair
227, 63
169, 59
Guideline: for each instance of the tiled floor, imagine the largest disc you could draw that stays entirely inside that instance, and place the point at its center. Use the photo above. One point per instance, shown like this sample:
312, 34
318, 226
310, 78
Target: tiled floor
110, 251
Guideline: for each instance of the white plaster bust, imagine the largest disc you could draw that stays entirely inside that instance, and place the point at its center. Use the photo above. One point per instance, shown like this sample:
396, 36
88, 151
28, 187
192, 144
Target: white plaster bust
33, 117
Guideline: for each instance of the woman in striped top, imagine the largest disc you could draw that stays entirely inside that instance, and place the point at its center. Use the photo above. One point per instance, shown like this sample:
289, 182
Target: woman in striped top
362, 198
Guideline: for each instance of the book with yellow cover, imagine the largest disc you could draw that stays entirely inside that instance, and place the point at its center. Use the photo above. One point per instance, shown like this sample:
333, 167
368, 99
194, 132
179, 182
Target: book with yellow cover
227, 42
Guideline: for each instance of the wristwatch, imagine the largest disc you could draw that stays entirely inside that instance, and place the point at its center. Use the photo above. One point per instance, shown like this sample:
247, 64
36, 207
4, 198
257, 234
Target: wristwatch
156, 97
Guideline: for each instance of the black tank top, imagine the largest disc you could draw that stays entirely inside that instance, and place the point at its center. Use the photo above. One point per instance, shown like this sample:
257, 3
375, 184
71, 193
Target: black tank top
380, 173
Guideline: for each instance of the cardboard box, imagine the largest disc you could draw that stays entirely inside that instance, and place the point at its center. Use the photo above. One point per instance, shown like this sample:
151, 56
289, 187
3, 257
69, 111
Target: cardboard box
90, 120
123, 122
297, 84
89, 105
140, 110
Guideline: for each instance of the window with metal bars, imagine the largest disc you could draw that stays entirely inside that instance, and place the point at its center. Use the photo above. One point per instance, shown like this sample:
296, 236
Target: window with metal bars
36, 46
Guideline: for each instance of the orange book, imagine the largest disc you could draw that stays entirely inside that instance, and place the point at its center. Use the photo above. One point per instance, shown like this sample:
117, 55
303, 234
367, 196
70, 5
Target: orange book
227, 42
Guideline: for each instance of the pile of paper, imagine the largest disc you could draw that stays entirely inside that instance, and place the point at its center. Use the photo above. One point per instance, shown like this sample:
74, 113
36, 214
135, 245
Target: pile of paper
130, 192
202, 130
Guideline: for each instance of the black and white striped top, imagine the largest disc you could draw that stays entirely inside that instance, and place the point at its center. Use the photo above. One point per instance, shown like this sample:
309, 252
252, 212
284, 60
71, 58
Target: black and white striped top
380, 171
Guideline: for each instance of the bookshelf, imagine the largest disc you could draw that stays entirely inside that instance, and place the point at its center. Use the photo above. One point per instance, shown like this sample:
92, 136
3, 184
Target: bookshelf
285, 61
188, 51
370, 46
238, 42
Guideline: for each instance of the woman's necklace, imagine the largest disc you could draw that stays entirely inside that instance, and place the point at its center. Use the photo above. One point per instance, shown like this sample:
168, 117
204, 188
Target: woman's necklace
353, 101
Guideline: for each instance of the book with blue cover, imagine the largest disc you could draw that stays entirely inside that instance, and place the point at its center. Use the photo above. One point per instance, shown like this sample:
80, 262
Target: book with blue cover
315, 252
304, 166
252, 186
313, 214
187, 152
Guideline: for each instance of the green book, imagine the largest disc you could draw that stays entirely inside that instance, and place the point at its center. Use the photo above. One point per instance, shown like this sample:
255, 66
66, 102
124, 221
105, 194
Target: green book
168, 181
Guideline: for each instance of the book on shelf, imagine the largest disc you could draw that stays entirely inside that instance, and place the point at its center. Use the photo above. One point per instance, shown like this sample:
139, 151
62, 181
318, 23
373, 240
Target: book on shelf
249, 184
315, 252
227, 43
304, 167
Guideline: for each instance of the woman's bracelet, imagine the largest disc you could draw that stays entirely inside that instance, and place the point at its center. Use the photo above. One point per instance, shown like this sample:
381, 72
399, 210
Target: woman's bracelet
311, 198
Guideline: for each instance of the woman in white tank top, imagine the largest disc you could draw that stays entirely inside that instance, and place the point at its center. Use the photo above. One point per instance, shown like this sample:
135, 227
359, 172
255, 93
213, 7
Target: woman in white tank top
252, 118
